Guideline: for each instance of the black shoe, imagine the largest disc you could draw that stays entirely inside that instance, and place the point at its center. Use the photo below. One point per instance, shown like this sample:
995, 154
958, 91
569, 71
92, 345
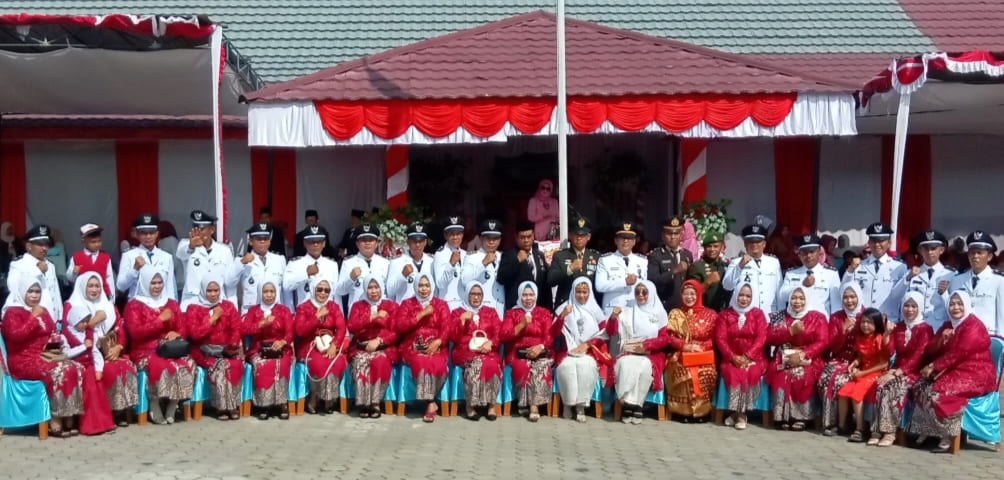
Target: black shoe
310, 409
263, 416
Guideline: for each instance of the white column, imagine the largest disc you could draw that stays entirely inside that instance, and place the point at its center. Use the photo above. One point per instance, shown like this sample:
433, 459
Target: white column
899, 150
562, 120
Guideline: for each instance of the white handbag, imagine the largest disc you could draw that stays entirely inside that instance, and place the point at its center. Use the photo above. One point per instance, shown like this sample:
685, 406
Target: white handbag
323, 342
478, 339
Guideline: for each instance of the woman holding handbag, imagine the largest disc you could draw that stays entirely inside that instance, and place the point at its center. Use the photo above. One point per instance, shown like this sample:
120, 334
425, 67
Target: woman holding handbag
583, 358
321, 329
800, 337
691, 376
372, 349
422, 325
215, 327
843, 329
740, 336
270, 328
643, 336
526, 331
158, 344
475, 332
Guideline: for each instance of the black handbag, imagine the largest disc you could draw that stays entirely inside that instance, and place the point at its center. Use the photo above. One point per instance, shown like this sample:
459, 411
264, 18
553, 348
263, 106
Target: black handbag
521, 353
219, 351
176, 348
361, 344
266, 351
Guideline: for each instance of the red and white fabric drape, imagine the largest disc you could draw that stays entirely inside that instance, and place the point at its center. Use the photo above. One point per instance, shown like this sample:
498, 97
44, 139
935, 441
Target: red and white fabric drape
910, 74
693, 170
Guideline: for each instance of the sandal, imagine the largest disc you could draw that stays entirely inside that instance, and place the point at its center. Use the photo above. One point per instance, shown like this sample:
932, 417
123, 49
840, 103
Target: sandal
235, 415
74, 432
284, 413
856, 437
473, 416
830, 431
310, 409
375, 412
887, 440
263, 416
223, 417
785, 426
122, 423
874, 439
59, 433
534, 417
429, 417
798, 426
491, 416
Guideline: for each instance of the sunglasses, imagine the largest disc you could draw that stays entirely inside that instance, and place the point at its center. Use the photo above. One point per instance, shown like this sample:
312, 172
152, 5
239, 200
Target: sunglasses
322, 290
643, 293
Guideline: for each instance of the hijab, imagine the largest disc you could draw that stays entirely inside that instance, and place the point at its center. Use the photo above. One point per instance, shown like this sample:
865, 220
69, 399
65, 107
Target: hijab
203, 299
519, 295
583, 323
919, 300
698, 291
805, 308
966, 303
649, 317
314, 283
82, 307
734, 303
146, 275
852, 285
16, 299
266, 308
544, 196
432, 283
689, 242
366, 286
466, 301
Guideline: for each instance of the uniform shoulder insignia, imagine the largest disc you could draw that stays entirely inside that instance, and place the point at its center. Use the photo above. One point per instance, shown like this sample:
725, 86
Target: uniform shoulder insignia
771, 255
998, 272
606, 254
639, 255
829, 267
295, 259
792, 268
440, 249
950, 269
963, 272
19, 257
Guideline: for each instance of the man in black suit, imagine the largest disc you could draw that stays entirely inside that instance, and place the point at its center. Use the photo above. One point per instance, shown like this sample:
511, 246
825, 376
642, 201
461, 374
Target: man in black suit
524, 263
668, 264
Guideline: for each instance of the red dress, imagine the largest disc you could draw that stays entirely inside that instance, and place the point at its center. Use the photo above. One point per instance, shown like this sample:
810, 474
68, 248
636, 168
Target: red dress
488, 322
266, 371
909, 354
226, 332
798, 384
963, 366
308, 328
364, 329
434, 327
146, 330
871, 353
749, 340
536, 332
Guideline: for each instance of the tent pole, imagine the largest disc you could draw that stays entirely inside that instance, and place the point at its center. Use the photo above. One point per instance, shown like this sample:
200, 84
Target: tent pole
215, 62
899, 151
562, 125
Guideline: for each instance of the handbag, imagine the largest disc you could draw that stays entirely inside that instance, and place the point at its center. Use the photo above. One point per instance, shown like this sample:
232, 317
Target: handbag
219, 351
521, 353
478, 339
420, 345
53, 354
322, 342
266, 351
696, 359
172, 349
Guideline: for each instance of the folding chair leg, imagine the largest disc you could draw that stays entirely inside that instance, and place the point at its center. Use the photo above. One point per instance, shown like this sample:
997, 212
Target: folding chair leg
956, 444
291, 408
555, 406
186, 412
818, 421
388, 407
142, 418
444, 409
507, 409
43, 430
301, 406
454, 406
246, 409
900, 437
400, 408
598, 406
343, 405
718, 416
663, 414
197, 411
618, 410
768, 418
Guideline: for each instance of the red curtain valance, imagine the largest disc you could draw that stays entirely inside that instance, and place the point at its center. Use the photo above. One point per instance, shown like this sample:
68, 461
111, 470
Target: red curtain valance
484, 118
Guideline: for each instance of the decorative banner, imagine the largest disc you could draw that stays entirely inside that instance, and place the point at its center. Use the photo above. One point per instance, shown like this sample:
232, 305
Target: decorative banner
136, 170
397, 176
693, 170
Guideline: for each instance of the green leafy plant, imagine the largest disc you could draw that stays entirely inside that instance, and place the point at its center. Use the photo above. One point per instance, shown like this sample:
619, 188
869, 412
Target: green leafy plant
709, 217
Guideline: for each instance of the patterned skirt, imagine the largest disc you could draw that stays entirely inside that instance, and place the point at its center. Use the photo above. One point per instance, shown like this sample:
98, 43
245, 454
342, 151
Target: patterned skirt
482, 380
429, 373
786, 409
176, 380
683, 397
371, 371
119, 382
830, 382
532, 379
889, 401
743, 400
225, 383
271, 380
924, 421
65, 385
324, 376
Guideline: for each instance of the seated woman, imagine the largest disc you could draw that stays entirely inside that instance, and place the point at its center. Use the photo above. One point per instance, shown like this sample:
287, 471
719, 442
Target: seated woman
800, 337
584, 327
321, 329
91, 316
960, 368
691, 377
638, 369
270, 326
526, 331
740, 337
907, 342
872, 359
423, 328
34, 352
371, 323
480, 359
843, 329
157, 343
215, 327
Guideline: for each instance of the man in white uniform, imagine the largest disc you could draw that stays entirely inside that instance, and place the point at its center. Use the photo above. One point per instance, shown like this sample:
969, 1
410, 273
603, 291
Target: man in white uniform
930, 279
33, 264
984, 284
363, 264
203, 255
301, 270
482, 266
447, 263
258, 266
404, 270
878, 273
620, 271
147, 253
761, 270
821, 283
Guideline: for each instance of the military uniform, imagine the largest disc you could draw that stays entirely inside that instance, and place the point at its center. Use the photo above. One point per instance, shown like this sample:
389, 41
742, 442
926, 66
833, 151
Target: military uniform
927, 283
163, 261
824, 296
763, 274
202, 261
267, 268
715, 297
375, 266
399, 287
877, 276
613, 269
448, 275
560, 273
986, 288
661, 263
27, 266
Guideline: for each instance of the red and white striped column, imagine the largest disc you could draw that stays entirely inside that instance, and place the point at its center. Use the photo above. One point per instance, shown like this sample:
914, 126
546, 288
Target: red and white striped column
397, 175
693, 170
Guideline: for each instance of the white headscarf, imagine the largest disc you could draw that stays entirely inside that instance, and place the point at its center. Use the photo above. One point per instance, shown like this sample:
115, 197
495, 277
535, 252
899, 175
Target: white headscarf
805, 308
146, 275
266, 308
314, 283
649, 317
82, 307
919, 300
16, 299
583, 323
519, 295
967, 303
852, 285
366, 286
432, 283
734, 303
203, 299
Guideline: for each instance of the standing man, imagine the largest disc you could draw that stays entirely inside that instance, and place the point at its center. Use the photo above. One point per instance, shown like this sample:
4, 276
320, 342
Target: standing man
300, 249
483, 265
277, 244
146, 253
761, 270
524, 263
668, 264
984, 284
203, 255
365, 263
448, 262
404, 270
258, 266
33, 264
299, 271
618, 272
347, 247
709, 270
576, 261
931, 279
878, 273
822, 284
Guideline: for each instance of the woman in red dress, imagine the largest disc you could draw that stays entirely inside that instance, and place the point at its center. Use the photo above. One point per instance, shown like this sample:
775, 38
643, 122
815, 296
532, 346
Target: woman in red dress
270, 327
482, 364
371, 322
800, 337
740, 336
30, 333
153, 319
907, 342
583, 357
526, 331
870, 348
422, 325
691, 333
843, 328
321, 328
960, 368
215, 327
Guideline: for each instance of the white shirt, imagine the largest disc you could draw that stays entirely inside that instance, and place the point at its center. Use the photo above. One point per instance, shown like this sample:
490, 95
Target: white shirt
824, 296
765, 277
27, 265
926, 283
354, 289
296, 281
876, 286
988, 296
109, 273
611, 275
201, 262
448, 276
128, 276
251, 275
474, 270
400, 287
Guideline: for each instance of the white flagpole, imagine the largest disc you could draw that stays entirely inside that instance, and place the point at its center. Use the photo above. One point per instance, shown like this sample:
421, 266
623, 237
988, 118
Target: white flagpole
562, 125
215, 46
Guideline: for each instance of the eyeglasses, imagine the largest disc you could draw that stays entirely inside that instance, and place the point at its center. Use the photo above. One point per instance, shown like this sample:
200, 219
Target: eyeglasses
642, 293
322, 290
473, 294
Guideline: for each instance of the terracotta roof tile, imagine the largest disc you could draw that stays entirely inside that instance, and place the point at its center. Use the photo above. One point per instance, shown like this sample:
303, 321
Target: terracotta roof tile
959, 25
852, 68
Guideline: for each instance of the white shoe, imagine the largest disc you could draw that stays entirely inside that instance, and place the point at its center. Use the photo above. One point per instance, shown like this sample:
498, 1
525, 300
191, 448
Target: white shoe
635, 420
729, 421
580, 414
741, 425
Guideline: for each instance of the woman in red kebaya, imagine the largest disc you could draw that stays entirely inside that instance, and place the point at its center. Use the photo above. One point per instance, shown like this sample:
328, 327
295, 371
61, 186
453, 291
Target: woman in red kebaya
372, 349
843, 329
583, 357
691, 381
270, 326
800, 335
422, 324
479, 358
960, 368
740, 336
322, 331
215, 327
154, 320
526, 330
643, 337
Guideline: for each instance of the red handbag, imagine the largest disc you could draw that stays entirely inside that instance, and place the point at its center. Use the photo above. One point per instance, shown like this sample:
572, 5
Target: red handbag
696, 359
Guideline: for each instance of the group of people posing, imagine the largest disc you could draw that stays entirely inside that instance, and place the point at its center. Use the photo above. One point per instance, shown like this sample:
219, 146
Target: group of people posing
631, 323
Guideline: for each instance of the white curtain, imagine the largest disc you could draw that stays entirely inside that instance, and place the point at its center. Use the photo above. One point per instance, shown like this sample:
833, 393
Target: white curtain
334, 181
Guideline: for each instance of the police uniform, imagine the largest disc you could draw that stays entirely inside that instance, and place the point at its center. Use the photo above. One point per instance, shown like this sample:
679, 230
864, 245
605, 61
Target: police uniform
715, 297
661, 263
613, 269
824, 296
763, 274
376, 266
27, 265
163, 261
927, 283
474, 269
877, 276
560, 273
448, 275
295, 279
202, 261
269, 268
400, 287
985, 288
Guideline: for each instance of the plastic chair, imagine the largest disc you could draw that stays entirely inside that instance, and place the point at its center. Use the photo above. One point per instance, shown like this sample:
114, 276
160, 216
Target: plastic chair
347, 390
200, 393
142, 407
405, 389
720, 402
658, 398
247, 390
22, 402
600, 396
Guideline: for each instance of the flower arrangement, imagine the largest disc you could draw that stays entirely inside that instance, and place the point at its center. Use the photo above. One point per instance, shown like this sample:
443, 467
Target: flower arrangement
393, 224
709, 217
